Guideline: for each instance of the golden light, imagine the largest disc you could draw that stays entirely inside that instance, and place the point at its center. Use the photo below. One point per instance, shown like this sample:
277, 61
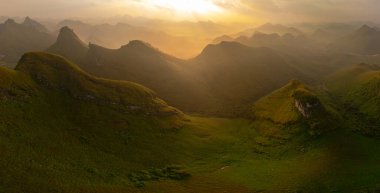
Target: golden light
190, 6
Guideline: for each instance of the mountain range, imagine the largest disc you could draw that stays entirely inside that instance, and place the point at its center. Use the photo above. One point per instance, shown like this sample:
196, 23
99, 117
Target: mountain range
112, 35
273, 111
203, 82
18, 38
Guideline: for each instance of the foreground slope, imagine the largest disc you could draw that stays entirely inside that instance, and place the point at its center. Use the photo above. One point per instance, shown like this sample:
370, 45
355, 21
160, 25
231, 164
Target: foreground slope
63, 130
61, 126
357, 88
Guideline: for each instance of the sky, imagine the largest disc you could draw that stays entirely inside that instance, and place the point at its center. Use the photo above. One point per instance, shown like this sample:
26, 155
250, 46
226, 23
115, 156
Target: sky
194, 10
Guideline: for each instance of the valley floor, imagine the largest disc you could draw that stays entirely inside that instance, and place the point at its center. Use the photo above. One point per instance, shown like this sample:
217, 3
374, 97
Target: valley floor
232, 156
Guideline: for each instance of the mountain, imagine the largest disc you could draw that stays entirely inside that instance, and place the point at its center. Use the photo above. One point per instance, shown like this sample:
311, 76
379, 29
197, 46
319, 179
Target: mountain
34, 24
365, 40
221, 39
310, 55
192, 85
137, 61
295, 106
112, 36
69, 45
274, 40
280, 29
269, 28
358, 89
16, 39
82, 126
237, 75
323, 37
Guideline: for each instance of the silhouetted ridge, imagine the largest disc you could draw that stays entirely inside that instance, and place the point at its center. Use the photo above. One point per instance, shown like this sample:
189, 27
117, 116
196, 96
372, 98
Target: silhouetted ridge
140, 46
69, 45
222, 47
367, 30
67, 34
32, 23
10, 22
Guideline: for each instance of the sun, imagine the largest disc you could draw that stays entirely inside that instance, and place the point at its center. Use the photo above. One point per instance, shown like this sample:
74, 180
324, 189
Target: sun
193, 6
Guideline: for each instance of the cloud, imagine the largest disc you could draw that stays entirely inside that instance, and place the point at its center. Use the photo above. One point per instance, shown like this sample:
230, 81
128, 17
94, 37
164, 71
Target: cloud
264, 5
265, 10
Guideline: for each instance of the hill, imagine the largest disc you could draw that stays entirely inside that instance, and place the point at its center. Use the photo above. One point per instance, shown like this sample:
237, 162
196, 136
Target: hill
237, 75
69, 45
365, 40
357, 88
16, 39
138, 62
72, 127
295, 106
193, 85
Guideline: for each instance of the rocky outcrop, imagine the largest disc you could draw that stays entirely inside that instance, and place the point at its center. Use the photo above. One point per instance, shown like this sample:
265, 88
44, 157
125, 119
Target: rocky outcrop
306, 109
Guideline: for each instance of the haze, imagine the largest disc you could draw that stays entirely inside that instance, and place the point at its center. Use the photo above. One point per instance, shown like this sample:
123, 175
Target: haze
247, 11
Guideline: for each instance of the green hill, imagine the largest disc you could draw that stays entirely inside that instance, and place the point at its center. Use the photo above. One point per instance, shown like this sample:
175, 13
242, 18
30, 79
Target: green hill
61, 126
296, 105
358, 89
63, 130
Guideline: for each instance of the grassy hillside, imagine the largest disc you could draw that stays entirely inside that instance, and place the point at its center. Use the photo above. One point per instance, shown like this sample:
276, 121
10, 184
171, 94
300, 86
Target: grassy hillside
63, 130
61, 126
296, 106
358, 90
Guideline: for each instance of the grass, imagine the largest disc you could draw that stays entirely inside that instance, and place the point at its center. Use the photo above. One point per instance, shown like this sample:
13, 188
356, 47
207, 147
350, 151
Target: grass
357, 90
55, 139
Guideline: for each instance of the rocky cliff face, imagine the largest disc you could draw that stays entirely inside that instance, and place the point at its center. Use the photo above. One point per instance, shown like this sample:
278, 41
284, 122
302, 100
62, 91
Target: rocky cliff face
307, 103
306, 108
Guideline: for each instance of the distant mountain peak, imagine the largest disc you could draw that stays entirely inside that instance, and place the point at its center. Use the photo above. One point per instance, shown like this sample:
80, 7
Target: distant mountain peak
139, 45
222, 44
224, 47
28, 19
29, 22
10, 22
366, 29
66, 30
69, 45
67, 35
259, 34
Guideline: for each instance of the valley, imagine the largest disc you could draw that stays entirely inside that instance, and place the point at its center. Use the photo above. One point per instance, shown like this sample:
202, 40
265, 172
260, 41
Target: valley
269, 109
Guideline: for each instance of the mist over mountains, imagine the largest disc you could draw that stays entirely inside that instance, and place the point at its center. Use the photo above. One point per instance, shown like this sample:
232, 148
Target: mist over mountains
128, 108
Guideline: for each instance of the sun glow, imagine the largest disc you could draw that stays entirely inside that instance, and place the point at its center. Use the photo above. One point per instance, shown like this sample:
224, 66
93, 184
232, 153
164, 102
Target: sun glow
192, 6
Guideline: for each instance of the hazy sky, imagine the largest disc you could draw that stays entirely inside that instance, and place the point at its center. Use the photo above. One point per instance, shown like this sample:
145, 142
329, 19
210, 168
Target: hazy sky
216, 10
